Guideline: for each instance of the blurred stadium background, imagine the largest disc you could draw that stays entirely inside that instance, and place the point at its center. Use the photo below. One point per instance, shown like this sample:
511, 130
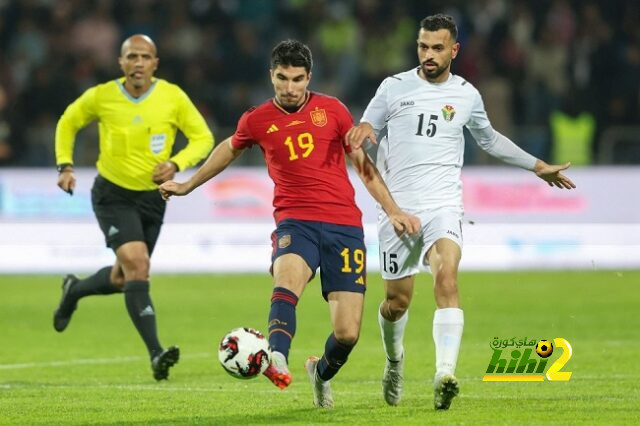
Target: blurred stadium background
561, 78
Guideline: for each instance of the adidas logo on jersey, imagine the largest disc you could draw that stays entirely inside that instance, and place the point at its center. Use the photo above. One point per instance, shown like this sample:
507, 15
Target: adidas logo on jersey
360, 280
272, 128
112, 231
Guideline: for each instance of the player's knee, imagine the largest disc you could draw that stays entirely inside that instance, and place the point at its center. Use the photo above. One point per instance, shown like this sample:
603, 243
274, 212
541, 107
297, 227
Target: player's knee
446, 275
447, 283
397, 306
347, 336
348, 339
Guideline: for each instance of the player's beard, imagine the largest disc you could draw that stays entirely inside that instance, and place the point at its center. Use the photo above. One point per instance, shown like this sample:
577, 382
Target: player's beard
436, 72
289, 101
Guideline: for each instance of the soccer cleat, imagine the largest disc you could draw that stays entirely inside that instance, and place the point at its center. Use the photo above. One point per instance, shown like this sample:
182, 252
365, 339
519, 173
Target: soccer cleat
393, 381
161, 363
445, 388
62, 315
278, 370
322, 396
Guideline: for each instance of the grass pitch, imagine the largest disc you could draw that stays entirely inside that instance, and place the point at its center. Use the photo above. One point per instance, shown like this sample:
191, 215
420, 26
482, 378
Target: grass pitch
97, 372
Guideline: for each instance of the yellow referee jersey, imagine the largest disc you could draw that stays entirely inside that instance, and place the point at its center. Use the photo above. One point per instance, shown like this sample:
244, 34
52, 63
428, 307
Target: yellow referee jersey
136, 134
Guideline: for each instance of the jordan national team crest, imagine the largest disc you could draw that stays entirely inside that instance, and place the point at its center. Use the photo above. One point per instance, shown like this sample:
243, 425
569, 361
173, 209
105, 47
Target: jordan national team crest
284, 241
319, 117
448, 112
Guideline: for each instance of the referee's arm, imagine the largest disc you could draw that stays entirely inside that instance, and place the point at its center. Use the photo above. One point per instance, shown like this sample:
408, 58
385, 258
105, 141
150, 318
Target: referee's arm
200, 139
77, 115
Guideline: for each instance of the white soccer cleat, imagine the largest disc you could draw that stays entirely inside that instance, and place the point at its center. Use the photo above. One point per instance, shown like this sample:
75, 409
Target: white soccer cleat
445, 388
393, 381
278, 371
322, 396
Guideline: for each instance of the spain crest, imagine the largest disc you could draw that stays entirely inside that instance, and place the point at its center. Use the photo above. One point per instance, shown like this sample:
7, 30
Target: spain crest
284, 241
319, 117
448, 112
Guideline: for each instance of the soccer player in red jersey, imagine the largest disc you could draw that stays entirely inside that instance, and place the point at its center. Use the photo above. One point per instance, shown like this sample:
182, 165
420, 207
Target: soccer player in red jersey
302, 136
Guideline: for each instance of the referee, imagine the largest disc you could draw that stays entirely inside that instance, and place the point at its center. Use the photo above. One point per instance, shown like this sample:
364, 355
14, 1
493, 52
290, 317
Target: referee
138, 116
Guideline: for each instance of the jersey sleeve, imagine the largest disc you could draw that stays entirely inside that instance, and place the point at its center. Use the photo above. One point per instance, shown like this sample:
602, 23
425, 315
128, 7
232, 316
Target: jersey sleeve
478, 118
192, 124
345, 122
378, 108
78, 114
242, 137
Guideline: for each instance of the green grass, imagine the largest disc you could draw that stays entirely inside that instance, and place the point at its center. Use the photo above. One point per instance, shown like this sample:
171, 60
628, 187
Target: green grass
96, 372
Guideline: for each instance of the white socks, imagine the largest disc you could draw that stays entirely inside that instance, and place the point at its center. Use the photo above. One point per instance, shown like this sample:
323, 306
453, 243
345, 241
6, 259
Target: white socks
392, 335
447, 333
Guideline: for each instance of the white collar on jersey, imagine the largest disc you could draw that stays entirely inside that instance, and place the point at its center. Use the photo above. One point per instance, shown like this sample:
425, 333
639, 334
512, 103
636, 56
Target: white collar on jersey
417, 75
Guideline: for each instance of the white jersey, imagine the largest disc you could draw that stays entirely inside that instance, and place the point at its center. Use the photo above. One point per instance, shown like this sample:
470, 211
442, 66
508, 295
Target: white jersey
422, 155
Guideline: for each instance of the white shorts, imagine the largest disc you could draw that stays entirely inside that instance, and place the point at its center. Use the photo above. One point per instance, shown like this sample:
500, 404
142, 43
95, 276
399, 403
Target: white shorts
403, 256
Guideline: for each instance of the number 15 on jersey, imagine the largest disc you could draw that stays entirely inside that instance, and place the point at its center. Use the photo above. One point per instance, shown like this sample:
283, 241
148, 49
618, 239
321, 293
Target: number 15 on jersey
430, 127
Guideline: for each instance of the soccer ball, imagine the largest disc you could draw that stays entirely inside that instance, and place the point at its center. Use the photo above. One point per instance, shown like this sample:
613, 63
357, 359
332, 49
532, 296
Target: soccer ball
244, 353
544, 348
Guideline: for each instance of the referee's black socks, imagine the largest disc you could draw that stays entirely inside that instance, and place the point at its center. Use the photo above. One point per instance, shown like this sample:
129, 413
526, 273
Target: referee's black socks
98, 283
142, 314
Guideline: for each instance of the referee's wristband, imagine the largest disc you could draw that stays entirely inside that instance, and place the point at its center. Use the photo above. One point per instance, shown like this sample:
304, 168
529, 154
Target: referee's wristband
62, 167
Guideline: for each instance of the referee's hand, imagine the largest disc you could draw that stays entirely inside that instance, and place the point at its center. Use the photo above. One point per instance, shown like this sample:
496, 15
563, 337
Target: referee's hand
67, 181
164, 172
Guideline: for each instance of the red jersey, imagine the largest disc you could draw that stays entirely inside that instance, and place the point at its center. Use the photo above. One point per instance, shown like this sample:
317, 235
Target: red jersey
305, 156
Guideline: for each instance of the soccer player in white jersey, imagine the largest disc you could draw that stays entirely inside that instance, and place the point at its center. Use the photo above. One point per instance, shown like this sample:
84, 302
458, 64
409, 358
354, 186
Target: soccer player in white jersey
425, 110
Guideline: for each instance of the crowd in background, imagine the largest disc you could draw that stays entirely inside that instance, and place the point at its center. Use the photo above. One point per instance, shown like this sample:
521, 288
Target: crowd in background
550, 71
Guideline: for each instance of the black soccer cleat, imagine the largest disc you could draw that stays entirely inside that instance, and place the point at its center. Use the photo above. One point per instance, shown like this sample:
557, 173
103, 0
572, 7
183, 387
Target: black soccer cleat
62, 315
160, 364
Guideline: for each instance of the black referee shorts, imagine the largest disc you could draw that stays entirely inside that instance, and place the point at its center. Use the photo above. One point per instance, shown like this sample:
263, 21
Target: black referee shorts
125, 215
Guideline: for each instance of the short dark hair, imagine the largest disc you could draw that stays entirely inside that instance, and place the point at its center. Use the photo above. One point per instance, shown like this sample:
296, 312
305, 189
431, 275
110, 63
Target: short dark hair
291, 53
440, 22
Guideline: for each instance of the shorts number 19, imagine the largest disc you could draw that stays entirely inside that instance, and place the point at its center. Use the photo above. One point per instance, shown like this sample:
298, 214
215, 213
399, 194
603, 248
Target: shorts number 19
358, 259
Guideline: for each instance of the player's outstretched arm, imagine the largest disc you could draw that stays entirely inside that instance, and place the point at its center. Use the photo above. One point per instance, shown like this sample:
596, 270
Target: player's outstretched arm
220, 158
551, 174
402, 222
506, 150
358, 134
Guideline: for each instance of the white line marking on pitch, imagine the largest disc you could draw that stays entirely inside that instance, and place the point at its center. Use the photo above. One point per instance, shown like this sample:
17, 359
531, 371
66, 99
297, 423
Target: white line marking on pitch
246, 390
89, 361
